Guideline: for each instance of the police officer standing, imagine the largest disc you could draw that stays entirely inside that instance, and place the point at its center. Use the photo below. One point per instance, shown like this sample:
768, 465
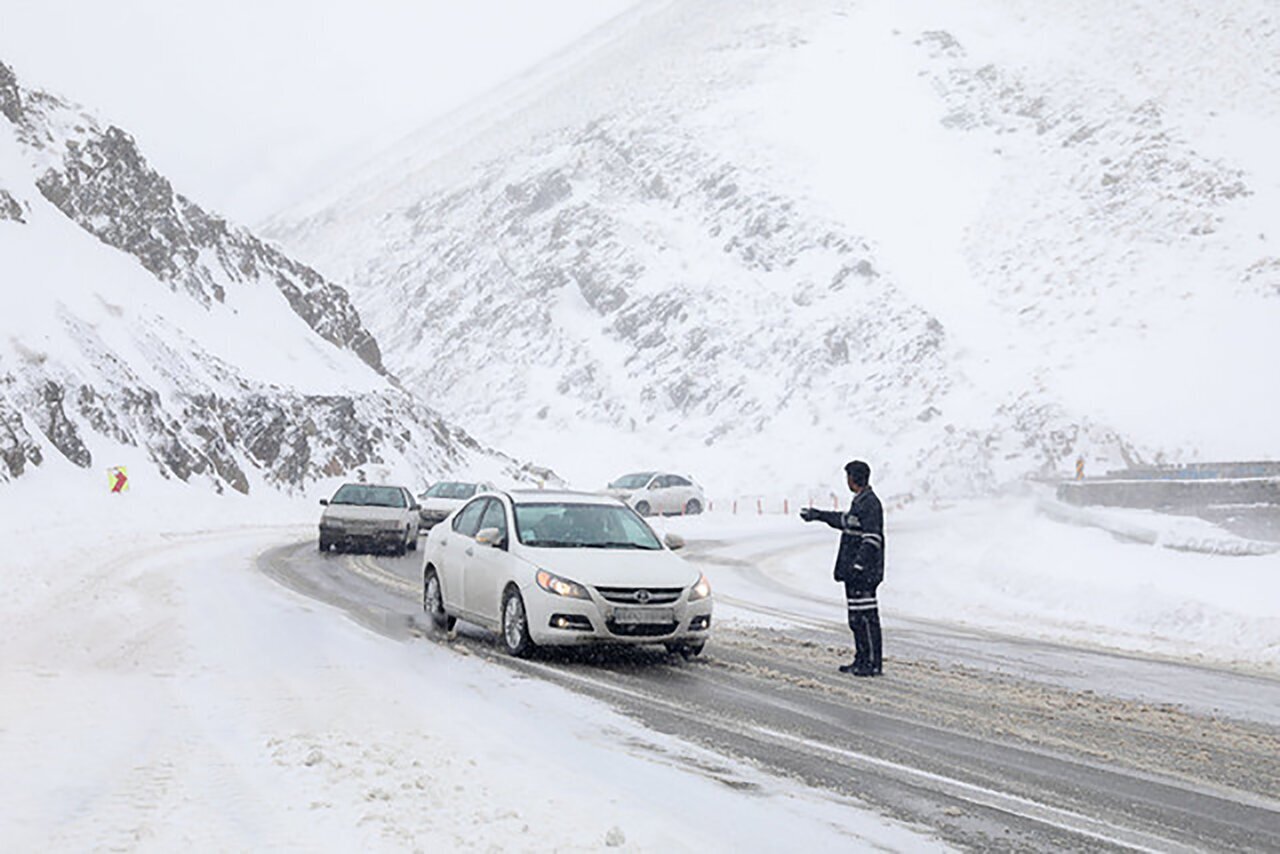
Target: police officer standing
859, 564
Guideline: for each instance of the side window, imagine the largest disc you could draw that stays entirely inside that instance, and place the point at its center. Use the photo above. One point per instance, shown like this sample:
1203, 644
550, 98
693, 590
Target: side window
467, 522
495, 516
677, 480
661, 482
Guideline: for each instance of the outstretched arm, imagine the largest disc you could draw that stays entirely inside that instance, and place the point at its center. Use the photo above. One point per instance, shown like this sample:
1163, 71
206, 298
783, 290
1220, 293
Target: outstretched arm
834, 518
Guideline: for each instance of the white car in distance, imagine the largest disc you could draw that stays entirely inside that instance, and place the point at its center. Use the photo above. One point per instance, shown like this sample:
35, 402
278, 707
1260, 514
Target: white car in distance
369, 516
659, 493
560, 569
443, 498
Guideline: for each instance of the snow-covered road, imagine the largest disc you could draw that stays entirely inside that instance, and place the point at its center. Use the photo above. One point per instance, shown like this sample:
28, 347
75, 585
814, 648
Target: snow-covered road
159, 693
164, 690
987, 740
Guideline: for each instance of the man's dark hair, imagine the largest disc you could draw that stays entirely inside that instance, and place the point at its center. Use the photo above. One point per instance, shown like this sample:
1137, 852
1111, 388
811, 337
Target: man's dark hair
859, 471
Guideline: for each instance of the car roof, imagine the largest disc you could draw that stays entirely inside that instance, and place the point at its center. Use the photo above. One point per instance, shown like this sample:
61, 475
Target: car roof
559, 496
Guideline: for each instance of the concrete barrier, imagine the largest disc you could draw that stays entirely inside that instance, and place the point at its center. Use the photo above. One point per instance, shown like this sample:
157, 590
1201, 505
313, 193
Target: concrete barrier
1171, 494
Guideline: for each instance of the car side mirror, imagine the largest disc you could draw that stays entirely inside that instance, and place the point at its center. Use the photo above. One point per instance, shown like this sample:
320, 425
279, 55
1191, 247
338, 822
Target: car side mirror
415, 506
674, 541
324, 502
489, 537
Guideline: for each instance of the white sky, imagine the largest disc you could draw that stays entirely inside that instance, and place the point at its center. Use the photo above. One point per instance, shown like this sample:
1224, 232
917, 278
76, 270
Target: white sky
251, 105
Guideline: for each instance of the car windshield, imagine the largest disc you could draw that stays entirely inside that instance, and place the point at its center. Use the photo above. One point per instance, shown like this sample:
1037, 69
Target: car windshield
369, 496
583, 526
631, 481
451, 490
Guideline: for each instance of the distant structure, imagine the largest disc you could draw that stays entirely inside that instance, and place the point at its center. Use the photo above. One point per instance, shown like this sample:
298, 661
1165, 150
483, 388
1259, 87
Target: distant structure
1187, 486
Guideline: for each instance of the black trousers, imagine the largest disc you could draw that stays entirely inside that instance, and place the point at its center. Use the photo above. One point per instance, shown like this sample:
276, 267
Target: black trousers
864, 621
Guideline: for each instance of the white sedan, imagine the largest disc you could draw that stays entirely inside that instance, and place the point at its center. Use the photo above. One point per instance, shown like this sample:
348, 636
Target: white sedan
659, 493
445, 497
562, 568
362, 515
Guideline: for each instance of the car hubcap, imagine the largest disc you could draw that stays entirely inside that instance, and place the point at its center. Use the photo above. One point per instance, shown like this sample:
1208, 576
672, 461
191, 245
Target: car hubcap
514, 622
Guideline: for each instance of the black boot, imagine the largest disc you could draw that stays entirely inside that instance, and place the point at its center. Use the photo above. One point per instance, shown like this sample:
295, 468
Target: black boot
873, 630
862, 660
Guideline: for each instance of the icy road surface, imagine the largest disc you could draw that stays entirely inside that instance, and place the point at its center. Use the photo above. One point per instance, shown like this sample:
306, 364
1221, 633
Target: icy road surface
992, 742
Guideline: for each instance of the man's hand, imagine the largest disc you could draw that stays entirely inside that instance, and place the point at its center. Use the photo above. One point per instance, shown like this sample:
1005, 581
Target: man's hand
808, 513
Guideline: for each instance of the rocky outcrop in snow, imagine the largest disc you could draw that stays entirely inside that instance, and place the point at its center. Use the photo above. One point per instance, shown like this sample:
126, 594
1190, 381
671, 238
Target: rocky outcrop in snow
99, 178
898, 231
653, 286
106, 366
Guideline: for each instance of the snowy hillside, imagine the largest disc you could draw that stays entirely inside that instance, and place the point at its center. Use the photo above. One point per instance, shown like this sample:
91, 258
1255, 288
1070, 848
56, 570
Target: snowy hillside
139, 329
967, 241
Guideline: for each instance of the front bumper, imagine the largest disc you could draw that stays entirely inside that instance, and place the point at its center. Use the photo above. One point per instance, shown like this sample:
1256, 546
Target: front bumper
367, 537
564, 621
431, 518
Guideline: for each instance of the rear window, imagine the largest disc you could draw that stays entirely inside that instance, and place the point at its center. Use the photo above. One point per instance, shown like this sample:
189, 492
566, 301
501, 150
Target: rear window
369, 496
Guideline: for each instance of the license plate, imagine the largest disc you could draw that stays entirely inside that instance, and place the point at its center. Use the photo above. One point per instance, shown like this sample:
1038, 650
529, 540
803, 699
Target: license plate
644, 616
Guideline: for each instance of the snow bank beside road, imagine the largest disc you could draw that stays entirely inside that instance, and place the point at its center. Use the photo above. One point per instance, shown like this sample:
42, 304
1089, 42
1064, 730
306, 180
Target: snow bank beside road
1002, 565
158, 693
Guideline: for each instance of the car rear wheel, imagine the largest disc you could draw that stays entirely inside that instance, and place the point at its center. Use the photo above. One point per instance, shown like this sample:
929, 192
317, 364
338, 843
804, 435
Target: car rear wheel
515, 625
693, 508
642, 507
433, 603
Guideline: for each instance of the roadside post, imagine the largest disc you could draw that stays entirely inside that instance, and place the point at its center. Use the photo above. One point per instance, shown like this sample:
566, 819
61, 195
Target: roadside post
118, 479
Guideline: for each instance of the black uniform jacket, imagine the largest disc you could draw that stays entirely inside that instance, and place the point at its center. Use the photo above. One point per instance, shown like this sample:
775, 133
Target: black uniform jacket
860, 560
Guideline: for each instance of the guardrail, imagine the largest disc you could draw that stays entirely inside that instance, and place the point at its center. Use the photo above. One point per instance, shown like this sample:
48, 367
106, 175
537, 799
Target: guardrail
1172, 493
1199, 471
773, 505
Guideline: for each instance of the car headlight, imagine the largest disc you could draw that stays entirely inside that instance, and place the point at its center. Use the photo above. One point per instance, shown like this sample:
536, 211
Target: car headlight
561, 586
701, 590
335, 524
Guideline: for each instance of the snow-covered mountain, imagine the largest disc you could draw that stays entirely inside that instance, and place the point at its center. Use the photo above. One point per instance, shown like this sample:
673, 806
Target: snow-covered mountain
139, 328
968, 241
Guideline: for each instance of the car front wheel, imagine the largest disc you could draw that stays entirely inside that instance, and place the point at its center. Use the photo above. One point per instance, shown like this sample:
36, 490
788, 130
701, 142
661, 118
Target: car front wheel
642, 508
515, 625
433, 603
693, 508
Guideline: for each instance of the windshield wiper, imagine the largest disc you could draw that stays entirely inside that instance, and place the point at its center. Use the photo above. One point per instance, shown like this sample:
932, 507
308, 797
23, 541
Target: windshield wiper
555, 544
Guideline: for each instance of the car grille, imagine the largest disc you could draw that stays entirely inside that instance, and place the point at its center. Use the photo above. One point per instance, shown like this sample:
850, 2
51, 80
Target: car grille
641, 595
368, 526
641, 630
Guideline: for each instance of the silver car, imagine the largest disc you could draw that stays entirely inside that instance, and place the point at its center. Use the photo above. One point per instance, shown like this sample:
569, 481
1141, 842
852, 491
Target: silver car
368, 516
445, 497
659, 493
